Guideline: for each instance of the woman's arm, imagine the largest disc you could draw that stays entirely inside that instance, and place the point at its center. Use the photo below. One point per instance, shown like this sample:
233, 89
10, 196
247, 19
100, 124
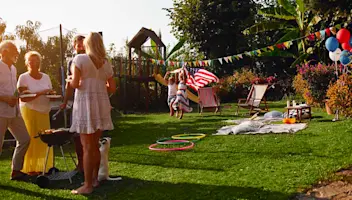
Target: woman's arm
75, 83
26, 99
166, 74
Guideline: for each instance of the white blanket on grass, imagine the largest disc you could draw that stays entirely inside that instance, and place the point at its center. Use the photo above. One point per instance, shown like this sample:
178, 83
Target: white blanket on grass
260, 128
258, 119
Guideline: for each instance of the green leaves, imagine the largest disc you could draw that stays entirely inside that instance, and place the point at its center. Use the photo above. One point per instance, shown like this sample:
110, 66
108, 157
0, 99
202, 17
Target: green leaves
278, 53
288, 6
299, 60
277, 12
177, 47
300, 6
290, 35
265, 26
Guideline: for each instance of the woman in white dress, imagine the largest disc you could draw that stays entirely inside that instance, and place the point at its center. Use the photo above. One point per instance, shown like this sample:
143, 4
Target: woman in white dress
93, 80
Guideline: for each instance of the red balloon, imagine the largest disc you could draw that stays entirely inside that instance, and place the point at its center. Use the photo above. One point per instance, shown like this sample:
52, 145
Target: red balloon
343, 36
346, 46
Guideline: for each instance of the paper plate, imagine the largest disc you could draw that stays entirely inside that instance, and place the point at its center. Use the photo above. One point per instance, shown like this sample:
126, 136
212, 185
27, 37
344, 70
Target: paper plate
27, 95
53, 96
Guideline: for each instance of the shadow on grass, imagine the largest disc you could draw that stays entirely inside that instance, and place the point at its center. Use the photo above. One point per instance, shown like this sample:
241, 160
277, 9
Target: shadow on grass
30, 193
130, 188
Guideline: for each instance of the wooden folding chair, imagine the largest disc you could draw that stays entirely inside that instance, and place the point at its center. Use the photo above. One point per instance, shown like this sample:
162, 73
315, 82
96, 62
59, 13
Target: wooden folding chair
255, 98
208, 99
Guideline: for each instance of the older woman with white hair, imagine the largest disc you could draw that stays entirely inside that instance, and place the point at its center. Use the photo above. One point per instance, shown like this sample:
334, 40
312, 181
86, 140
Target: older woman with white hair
35, 112
93, 78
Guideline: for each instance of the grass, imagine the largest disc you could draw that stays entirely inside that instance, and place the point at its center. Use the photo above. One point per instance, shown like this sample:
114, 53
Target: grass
273, 166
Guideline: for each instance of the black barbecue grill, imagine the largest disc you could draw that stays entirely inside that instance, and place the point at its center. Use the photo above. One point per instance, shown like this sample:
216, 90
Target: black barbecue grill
58, 137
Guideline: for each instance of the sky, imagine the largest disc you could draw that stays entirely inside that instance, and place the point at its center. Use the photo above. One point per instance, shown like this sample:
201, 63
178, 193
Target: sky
117, 19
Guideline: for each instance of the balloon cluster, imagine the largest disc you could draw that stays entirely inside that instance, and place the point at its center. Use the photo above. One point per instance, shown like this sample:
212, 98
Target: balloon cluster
343, 37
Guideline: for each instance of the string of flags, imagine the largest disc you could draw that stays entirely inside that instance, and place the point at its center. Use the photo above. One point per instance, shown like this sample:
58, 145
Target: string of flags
319, 35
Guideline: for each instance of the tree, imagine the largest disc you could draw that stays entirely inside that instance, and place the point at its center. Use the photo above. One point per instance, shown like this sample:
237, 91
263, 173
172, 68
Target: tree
50, 50
3, 35
214, 26
291, 18
180, 51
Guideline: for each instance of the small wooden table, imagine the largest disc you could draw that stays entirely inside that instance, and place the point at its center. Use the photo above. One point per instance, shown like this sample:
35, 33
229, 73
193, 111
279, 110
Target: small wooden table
299, 110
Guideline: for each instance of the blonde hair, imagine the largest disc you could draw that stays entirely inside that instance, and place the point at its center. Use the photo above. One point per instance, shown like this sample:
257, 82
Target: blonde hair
95, 47
7, 44
30, 54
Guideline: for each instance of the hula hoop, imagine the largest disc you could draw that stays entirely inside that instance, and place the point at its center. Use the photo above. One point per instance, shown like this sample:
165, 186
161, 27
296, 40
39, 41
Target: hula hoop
171, 141
152, 147
191, 136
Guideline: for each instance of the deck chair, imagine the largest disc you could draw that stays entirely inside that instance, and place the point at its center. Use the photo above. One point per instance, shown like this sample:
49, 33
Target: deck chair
208, 99
254, 99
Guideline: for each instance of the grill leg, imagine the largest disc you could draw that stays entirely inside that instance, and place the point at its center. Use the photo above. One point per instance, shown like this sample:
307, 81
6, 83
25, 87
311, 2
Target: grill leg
73, 159
46, 159
63, 156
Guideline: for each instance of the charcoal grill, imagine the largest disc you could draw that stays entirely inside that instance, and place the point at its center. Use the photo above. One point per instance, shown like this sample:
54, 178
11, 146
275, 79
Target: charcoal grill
59, 138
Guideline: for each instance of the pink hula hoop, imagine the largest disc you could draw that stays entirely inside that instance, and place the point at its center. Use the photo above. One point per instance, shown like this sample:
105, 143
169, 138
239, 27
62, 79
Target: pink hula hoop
151, 147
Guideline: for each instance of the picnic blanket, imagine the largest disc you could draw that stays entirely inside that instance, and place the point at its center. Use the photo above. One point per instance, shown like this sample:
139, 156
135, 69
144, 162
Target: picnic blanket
260, 128
258, 119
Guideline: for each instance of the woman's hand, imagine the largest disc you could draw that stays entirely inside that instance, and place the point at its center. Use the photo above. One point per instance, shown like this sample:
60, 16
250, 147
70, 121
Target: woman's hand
10, 100
44, 92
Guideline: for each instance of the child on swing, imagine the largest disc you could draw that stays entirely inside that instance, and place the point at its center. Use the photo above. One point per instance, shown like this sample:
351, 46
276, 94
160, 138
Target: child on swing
171, 94
181, 103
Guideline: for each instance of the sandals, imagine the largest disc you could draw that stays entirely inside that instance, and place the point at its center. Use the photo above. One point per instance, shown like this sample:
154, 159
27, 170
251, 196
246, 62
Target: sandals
19, 177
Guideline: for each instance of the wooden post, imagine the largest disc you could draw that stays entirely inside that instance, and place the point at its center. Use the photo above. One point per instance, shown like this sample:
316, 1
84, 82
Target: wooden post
140, 75
130, 60
120, 84
62, 73
125, 86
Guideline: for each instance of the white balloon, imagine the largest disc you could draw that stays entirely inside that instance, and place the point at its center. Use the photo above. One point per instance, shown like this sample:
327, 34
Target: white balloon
335, 56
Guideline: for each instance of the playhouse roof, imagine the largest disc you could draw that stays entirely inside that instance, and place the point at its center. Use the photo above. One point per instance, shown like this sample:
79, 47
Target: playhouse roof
141, 37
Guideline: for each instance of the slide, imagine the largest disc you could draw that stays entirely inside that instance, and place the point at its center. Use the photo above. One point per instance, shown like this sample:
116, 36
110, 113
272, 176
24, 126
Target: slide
190, 95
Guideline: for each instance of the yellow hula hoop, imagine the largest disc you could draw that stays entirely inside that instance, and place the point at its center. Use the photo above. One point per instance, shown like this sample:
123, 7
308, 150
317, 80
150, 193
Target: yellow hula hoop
191, 136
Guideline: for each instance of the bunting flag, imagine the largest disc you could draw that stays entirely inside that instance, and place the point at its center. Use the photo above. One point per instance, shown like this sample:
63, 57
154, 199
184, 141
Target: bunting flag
220, 60
319, 35
230, 58
209, 62
226, 59
200, 63
322, 34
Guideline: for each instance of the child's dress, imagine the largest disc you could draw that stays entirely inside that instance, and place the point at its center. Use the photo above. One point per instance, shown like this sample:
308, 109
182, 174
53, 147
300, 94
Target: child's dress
172, 91
182, 102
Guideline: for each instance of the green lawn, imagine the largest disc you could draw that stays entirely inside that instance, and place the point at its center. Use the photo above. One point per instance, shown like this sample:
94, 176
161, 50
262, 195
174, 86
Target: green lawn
218, 167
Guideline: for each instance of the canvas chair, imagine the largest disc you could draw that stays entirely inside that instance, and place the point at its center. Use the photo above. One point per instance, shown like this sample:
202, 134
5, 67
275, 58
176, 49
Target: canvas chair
208, 99
254, 99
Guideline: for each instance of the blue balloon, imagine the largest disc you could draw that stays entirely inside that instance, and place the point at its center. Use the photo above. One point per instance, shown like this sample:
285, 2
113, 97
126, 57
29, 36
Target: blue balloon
331, 44
351, 41
345, 53
345, 60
